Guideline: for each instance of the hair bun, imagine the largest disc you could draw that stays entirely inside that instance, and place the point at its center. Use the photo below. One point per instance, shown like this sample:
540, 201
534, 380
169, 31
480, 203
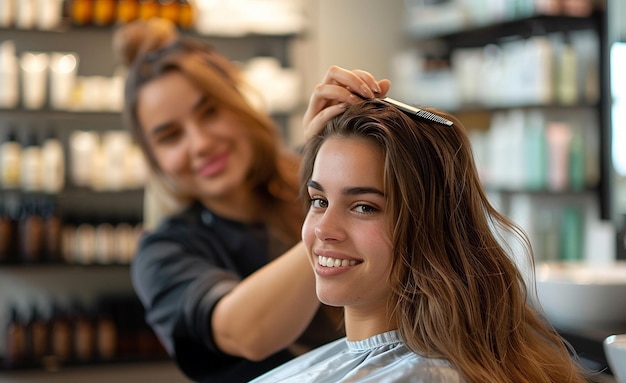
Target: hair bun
139, 37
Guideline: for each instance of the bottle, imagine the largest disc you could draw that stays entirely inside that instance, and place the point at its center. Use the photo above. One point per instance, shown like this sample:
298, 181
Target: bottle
31, 166
104, 12
53, 164
83, 336
127, 11
10, 161
37, 336
81, 12
60, 334
8, 230
30, 232
53, 231
186, 15
106, 336
168, 10
15, 335
148, 9
567, 74
9, 94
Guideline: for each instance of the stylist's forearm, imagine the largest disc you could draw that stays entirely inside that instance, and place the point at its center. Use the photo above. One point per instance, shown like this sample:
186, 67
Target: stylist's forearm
268, 310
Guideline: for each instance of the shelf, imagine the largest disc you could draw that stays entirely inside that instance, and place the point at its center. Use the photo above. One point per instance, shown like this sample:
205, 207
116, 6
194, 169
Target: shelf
474, 36
542, 192
67, 27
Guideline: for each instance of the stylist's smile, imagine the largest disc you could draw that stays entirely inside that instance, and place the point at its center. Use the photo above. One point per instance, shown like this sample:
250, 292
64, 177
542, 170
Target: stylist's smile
214, 165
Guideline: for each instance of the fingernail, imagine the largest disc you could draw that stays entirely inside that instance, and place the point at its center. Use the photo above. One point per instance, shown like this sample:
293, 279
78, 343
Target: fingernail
366, 92
356, 97
377, 89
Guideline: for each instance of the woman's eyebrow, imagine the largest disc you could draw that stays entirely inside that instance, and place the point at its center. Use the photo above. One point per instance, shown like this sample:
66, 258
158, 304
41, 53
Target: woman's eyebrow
355, 190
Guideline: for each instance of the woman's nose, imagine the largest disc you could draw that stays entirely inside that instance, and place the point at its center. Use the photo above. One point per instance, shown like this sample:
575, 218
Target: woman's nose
329, 227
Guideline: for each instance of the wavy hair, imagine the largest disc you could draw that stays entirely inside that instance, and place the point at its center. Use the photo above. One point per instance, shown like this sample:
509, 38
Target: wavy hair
457, 292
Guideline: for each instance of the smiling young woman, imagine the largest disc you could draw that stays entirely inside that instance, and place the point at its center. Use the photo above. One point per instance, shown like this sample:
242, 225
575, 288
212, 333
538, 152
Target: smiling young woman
400, 233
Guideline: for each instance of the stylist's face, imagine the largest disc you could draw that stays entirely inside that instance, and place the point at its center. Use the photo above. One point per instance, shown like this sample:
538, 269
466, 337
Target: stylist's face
345, 231
202, 148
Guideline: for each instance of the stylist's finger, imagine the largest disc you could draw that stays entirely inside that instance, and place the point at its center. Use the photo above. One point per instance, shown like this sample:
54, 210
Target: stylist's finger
339, 87
358, 81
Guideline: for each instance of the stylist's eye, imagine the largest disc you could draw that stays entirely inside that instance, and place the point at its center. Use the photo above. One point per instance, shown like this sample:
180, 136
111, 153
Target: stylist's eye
167, 136
208, 109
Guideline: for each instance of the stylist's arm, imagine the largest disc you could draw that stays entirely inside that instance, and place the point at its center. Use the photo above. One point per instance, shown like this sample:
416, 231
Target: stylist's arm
270, 309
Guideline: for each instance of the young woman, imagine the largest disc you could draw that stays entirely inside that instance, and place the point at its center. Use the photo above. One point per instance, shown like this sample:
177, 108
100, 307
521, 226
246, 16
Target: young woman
400, 233
217, 289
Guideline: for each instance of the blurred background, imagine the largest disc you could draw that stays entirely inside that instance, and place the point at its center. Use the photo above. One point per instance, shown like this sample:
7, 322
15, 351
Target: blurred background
539, 84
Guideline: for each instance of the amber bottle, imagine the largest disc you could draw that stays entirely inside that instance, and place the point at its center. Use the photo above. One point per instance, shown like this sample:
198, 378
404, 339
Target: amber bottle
148, 9
127, 11
168, 9
15, 336
30, 232
81, 11
37, 337
104, 12
60, 335
186, 15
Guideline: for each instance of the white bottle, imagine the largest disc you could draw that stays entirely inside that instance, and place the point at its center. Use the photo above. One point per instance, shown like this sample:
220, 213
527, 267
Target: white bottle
31, 165
53, 165
9, 96
10, 161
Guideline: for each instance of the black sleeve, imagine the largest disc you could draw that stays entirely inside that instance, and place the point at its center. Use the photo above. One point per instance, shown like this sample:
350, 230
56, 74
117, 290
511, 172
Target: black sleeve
179, 281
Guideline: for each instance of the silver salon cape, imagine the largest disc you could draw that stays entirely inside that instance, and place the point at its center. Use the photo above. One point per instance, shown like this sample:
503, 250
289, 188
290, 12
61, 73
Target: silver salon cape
382, 358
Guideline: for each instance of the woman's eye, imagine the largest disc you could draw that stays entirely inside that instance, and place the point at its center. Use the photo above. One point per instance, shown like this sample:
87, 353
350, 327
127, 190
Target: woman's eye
365, 209
318, 203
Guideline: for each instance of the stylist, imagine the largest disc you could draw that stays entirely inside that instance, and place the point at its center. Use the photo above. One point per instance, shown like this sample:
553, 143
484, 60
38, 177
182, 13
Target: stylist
225, 283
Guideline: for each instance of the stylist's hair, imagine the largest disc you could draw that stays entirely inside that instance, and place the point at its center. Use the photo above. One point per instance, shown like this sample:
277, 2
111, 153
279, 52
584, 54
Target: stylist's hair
457, 293
152, 48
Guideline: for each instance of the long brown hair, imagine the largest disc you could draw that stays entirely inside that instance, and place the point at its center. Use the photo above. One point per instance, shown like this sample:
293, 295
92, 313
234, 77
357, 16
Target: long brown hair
457, 293
153, 50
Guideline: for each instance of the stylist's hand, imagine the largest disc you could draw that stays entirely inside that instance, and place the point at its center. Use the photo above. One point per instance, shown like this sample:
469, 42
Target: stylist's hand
339, 88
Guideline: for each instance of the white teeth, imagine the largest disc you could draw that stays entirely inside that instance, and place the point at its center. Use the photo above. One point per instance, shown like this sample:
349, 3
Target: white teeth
334, 262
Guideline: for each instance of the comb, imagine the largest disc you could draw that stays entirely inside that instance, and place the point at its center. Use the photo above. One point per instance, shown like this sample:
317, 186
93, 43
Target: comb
416, 112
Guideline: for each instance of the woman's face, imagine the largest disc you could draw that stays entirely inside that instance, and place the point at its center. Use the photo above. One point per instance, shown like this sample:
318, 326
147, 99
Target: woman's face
346, 230
203, 149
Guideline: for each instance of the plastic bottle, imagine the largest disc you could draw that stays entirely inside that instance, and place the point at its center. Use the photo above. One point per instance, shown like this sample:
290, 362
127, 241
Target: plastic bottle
53, 164
9, 91
31, 167
10, 161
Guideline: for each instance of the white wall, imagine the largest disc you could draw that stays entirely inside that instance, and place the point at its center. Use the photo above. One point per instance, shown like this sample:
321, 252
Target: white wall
354, 34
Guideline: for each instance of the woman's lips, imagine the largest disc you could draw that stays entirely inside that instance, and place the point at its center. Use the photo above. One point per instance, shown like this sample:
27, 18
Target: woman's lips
214, 166
328, 266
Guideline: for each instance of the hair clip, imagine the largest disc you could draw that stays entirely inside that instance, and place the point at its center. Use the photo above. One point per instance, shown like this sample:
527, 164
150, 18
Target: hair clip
416, 112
